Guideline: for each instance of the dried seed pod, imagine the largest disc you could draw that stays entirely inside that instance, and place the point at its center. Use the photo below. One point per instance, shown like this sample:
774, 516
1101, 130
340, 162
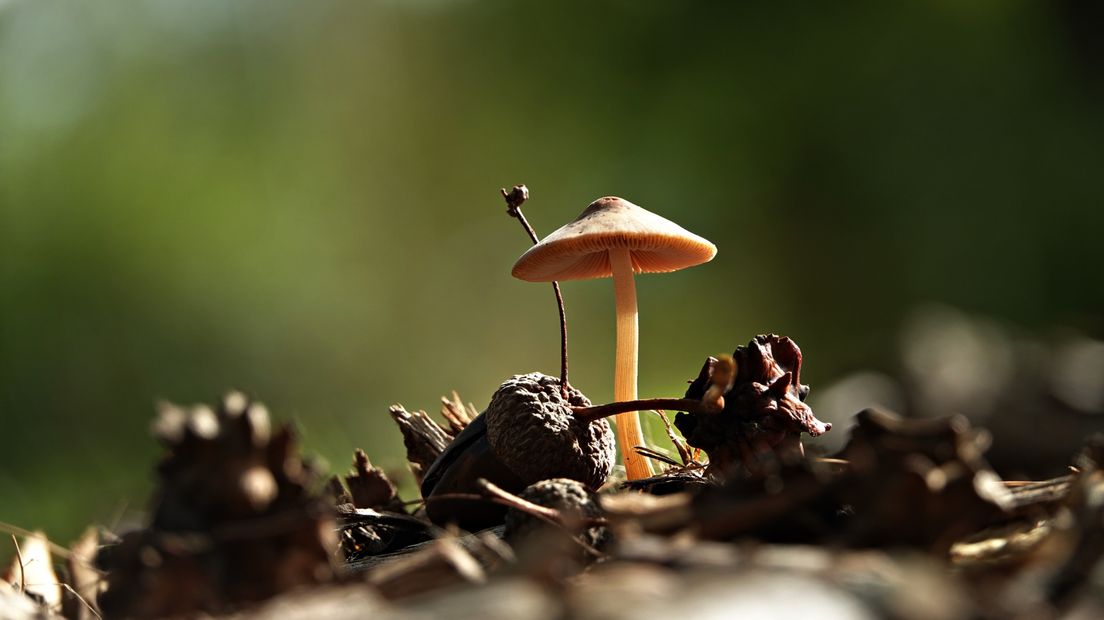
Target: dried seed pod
575, 504
764, 413
528, 433
528, 418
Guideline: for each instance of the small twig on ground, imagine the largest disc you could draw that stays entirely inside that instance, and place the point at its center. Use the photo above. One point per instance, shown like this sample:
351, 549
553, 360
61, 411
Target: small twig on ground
22, 569
55, 548
505, 498
117, 517
680, 444
656, 455
445, 496
502, 497
544, 513
514, 199
597, 412
82, 600
722, 374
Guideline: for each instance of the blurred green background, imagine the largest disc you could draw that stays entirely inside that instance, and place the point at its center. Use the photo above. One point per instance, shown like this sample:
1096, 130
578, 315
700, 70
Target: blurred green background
300, 200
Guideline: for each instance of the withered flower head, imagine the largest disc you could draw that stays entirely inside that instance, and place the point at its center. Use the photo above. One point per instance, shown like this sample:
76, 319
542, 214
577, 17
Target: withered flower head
527, 434
575, 504
764, 411
532, 430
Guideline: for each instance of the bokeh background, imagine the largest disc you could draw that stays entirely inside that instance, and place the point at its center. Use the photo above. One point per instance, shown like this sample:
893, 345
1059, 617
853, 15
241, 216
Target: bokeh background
299, 200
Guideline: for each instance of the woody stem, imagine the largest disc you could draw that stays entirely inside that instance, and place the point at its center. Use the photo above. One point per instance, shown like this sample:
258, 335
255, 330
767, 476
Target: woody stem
514, 200
597, 412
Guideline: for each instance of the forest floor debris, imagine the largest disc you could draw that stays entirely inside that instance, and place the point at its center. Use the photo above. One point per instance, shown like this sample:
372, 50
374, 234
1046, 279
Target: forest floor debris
907, 521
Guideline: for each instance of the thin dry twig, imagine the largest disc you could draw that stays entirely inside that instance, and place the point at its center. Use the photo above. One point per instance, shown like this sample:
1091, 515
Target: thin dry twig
506, 499
680, 444
544, 513
55, 548
22, 569
514, 199
722, 374
117, 516
597, 412
656, 455
84, 578
80, 598
513, 501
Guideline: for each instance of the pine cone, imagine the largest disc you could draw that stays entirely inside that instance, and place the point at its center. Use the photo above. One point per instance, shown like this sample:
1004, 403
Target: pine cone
764, 413
234, 519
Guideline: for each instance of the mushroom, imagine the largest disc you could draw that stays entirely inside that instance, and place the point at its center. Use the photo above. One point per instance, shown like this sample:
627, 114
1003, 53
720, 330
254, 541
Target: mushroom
614, 237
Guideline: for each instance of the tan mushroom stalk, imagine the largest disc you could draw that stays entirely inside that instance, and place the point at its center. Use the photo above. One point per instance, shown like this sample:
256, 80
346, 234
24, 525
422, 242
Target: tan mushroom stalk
626, 356
615, 238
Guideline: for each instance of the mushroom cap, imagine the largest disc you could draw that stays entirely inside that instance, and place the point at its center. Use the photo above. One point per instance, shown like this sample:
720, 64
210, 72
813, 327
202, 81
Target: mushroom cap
580, 250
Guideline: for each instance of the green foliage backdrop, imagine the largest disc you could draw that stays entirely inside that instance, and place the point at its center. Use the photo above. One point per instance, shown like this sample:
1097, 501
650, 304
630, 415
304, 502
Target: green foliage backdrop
300, 200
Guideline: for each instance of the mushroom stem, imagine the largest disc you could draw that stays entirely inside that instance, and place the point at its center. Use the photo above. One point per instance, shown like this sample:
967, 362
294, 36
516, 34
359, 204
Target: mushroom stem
625, 364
